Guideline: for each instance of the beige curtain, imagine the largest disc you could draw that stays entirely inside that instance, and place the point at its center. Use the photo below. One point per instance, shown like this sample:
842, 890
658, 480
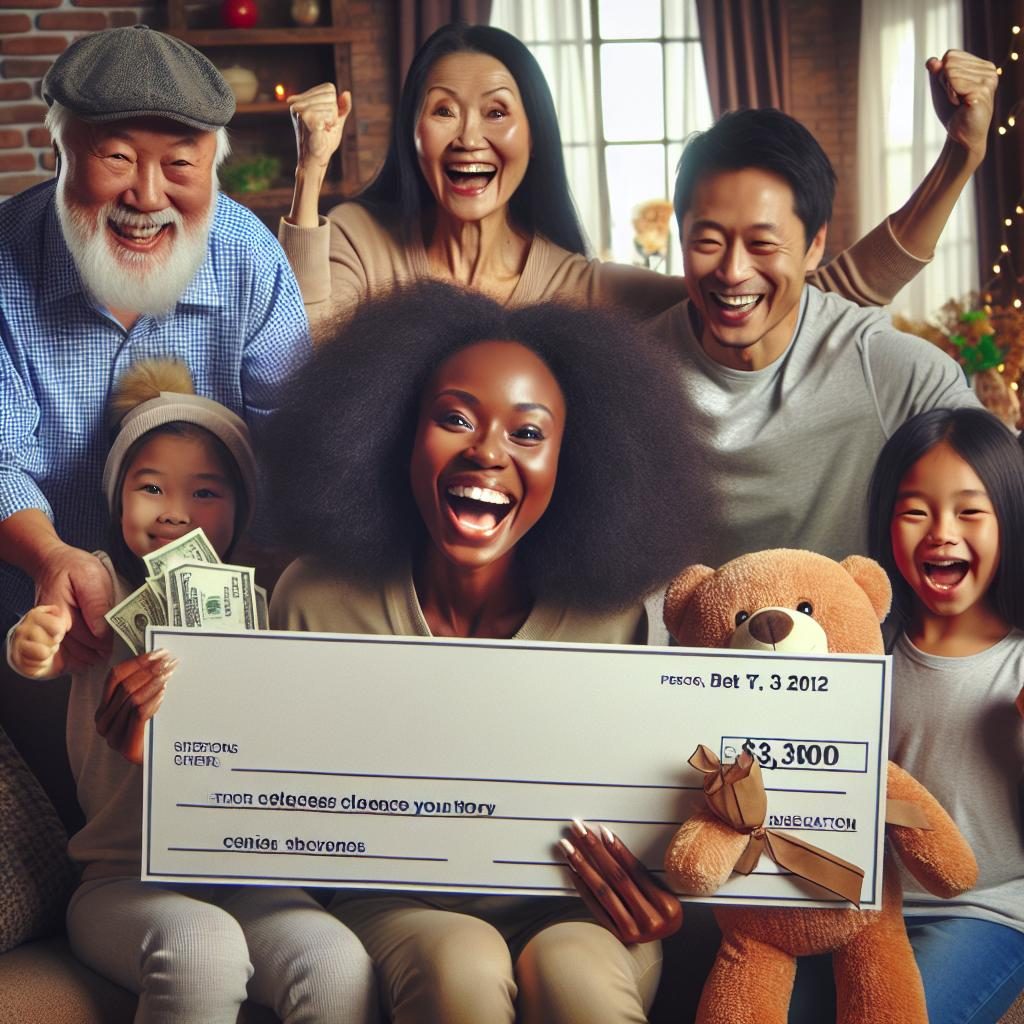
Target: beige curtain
899, 136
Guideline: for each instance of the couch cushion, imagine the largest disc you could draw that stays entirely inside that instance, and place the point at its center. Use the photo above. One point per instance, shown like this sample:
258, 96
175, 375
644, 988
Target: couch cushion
36, 875
42, 983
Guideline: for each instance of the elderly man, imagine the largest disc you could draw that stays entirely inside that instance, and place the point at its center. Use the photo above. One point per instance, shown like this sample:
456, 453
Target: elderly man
130, 253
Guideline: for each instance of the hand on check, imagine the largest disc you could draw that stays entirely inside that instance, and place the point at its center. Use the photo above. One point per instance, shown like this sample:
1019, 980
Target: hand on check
620, 892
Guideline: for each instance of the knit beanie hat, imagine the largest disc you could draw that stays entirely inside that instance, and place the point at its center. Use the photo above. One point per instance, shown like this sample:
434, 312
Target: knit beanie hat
155, 392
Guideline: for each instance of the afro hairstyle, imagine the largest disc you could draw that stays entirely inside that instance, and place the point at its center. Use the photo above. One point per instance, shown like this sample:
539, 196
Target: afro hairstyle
340, 445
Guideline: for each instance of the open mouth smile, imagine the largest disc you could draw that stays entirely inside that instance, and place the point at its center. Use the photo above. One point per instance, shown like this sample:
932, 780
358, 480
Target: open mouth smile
945, 574
138, 236
735, 307
470, 178
477, 509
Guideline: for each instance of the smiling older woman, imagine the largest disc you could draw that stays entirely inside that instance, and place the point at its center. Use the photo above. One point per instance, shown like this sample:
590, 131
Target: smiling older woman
473, 191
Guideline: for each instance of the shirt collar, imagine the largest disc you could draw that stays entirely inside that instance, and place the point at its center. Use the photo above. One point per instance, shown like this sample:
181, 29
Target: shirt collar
64, 277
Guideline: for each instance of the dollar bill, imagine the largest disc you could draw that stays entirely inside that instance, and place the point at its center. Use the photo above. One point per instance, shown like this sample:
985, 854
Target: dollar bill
158, 586
192, 547
262, 608
130, 618
204, 596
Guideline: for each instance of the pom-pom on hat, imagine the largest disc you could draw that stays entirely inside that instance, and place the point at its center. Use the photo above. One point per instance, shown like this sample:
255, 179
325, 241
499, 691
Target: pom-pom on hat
137, 72
155, 392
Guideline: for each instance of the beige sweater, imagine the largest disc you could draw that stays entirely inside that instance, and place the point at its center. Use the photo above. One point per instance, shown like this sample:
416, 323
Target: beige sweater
353, 254
311, 598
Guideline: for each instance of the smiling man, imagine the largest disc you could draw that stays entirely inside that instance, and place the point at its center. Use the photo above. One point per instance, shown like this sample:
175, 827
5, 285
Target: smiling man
130, 253
791, 391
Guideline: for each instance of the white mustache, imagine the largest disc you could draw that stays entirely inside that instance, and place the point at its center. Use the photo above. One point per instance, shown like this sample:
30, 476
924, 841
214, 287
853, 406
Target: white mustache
125, 216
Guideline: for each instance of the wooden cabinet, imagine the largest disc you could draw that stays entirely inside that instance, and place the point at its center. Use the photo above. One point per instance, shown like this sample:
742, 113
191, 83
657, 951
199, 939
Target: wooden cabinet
282, 54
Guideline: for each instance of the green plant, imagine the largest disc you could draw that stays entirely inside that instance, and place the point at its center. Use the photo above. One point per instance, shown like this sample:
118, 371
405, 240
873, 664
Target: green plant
254, 174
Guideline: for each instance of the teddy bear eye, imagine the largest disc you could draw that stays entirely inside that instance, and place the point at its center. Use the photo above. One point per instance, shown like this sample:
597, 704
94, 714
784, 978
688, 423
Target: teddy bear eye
806, 607
742, 617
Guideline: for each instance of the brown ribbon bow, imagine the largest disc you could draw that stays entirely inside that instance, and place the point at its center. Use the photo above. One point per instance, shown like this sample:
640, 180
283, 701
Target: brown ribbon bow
735, 793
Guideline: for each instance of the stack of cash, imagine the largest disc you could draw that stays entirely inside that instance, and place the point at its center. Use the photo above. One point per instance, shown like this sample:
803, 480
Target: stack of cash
188, 585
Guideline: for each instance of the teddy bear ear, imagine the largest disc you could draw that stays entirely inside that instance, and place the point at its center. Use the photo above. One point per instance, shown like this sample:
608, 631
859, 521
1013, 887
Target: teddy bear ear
680, 590
871, 578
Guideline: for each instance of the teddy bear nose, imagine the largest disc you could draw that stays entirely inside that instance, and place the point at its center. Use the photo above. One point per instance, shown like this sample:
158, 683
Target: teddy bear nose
770, 627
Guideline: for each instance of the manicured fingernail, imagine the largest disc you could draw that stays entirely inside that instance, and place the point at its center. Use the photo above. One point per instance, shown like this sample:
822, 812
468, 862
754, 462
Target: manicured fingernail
606, 835
570, 850
159, 654
579, 827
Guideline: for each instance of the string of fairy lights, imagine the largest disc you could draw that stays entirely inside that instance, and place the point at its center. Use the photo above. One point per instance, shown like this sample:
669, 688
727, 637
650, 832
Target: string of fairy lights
1004, 268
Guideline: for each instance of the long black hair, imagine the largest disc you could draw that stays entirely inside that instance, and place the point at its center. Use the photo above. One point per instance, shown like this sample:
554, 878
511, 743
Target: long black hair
340, 445
543, 203
988, 447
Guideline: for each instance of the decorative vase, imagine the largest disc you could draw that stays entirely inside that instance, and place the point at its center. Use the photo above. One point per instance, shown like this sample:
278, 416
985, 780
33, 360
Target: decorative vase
305, 12
239, 13
242, 82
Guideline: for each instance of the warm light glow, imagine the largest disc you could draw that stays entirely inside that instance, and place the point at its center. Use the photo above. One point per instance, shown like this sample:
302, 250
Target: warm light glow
996, 268
1014, 385
999, 71
1016, 303
1002, 130
1015, 55
1008, 222
1004, 248
1020, 209
1011, 120
1000, 367
279, 92
1016, 30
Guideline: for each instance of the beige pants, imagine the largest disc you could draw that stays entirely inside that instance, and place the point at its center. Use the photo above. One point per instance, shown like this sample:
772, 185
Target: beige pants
499, 959
195, 953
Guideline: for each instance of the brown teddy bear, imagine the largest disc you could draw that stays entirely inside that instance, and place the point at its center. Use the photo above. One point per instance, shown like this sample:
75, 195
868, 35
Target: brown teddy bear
797, 601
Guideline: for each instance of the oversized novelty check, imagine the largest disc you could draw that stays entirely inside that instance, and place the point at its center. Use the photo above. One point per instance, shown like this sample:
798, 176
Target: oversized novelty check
429, 764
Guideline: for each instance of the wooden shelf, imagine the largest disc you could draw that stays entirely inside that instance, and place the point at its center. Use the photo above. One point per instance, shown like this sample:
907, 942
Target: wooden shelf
281, 198
262, 107
288, 54
326, 35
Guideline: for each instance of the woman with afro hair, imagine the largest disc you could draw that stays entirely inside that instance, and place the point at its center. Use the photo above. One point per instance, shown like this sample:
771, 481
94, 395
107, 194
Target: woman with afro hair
445, 466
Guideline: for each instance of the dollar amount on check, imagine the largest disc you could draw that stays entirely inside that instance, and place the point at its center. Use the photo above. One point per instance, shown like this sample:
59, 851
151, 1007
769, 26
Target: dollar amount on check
422, 764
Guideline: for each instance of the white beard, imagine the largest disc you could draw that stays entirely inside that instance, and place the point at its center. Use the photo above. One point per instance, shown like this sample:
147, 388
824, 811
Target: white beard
121, 279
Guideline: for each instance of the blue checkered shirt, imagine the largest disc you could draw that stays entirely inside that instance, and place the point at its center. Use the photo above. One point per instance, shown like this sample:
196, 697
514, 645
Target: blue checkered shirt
240, 327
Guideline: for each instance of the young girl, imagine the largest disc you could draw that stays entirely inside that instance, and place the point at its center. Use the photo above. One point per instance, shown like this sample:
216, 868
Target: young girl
947, 523
468, 470
192, 953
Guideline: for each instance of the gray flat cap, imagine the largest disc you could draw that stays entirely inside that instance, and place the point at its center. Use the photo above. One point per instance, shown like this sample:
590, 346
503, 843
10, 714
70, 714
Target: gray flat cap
137, 72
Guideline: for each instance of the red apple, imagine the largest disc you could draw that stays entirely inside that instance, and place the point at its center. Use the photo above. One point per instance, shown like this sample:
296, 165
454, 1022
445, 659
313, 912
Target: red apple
239, 13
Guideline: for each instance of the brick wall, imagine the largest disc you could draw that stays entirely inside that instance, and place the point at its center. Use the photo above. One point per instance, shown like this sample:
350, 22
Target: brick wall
33, 32
824, 41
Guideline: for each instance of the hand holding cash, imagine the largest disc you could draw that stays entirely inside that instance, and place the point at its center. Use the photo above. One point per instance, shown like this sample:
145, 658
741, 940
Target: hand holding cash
188, 585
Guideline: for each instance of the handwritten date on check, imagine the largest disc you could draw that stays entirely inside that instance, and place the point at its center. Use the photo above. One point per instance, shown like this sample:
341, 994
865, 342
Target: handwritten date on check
455, 766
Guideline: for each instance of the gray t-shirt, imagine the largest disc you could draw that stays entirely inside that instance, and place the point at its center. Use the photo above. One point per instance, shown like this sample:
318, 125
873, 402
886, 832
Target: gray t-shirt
955, 729
782, 457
